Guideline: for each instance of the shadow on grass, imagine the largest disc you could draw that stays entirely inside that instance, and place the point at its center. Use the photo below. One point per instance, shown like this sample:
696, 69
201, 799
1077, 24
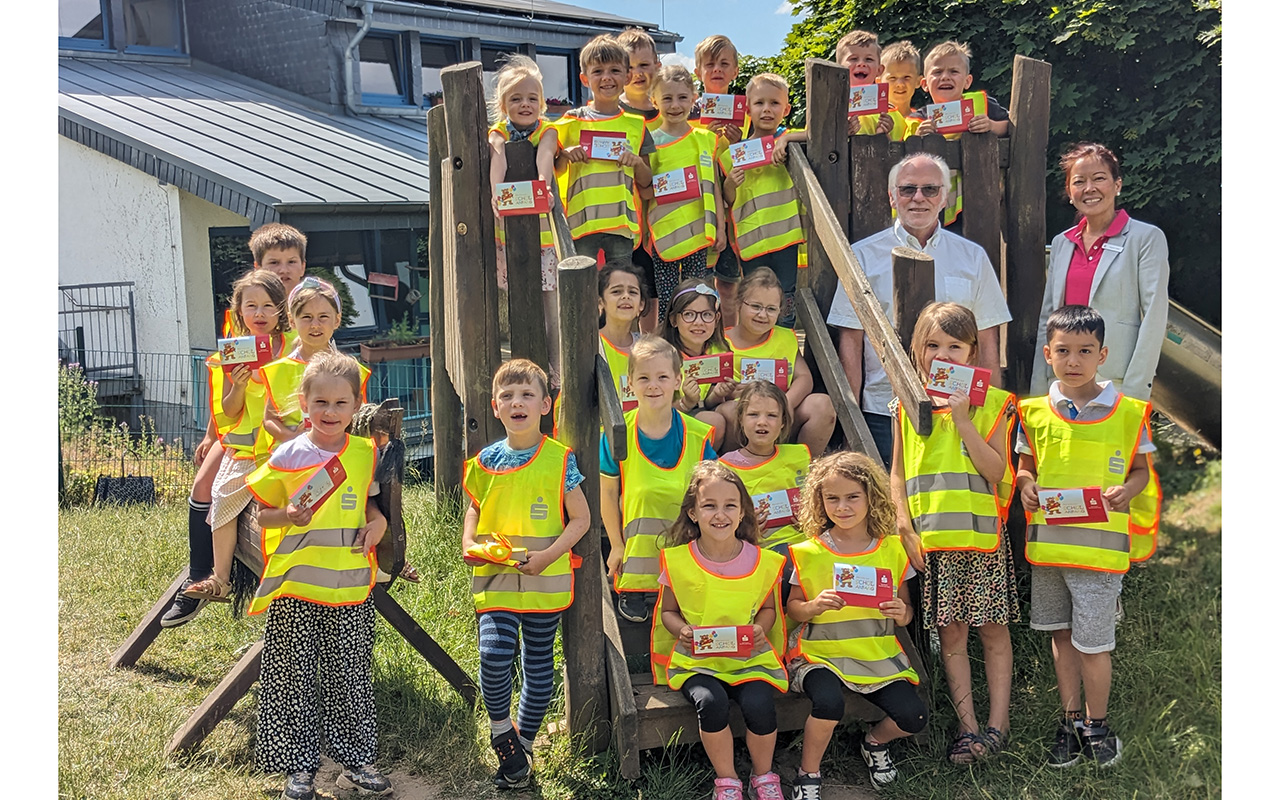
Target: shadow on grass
151, 669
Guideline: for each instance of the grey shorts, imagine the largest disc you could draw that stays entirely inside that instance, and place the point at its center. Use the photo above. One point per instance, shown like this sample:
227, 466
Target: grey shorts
1084, 601
616, 246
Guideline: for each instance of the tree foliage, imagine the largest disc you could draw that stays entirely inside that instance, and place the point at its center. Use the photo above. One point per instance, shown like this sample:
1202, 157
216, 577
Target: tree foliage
1143, 77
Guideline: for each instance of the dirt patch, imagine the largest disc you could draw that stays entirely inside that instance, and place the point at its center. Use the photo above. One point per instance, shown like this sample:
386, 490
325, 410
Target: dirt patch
407, 787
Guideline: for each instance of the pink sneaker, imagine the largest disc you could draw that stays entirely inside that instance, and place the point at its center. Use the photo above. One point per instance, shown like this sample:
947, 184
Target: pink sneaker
765, 787
728, 789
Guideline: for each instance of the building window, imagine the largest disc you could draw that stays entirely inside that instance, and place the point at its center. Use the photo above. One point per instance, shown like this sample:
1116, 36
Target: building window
436, 55
559, 82
492, 58
384, 74
152, 25
84, 24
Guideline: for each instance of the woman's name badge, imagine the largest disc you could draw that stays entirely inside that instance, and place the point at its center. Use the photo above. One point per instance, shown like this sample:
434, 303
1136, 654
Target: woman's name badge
732, 640
1073, 506
322, 483
605, 145
950, 117
716, 368
725, 108
870, 98
774, 509
863, 586
676, 186
946, 378
752, 153
769, 370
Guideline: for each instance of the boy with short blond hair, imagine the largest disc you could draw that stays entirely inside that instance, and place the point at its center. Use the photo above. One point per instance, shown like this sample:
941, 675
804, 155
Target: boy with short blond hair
902, 71
859, 51
642, 59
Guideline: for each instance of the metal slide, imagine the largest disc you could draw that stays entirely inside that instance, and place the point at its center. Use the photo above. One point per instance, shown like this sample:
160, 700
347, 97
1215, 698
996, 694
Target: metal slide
1188, 385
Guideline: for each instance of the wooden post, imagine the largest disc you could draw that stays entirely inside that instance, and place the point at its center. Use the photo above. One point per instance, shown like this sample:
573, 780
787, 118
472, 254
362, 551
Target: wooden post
869, 163
446, 406
128, 653
611, 419
1025, 192
474, 262
524, 267
586, 690
983, 212
622, 701
827, 114
819, 348
913, 289
221, 700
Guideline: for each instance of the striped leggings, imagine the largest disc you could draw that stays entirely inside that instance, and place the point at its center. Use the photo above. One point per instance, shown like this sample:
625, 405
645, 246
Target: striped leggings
499, 631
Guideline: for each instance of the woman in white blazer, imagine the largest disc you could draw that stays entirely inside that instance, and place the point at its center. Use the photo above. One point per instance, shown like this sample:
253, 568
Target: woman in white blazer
1115, 264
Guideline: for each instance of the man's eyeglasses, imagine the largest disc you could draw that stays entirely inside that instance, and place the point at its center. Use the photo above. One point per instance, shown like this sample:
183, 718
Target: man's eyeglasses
910, 190
693, 316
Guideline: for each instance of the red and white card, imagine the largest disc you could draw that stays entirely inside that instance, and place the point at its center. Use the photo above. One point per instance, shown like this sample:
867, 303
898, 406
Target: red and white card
677, 186
1073, 506
951, 117
946, 378
252, 351
736, 641
387, 280
322, 483
863, 586
869, 98
775, 509
724, 108
628, 397
770, 370
716, 368
522, 197
752, 153
605, 145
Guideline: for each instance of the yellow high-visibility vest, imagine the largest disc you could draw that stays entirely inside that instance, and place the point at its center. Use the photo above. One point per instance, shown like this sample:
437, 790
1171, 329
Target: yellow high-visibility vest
239, 435
867, 126
785, 469
617, 361
780, 343
766, 210
858, 644
682, 228
706, 599
651, 498
1070, 454
283, 381
525, 504
315, 562
952, 506
600, 195
544, 223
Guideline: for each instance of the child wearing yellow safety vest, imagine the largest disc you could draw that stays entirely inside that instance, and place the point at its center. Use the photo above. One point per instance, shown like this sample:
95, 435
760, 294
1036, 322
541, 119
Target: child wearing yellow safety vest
765, 207
947, 79
1083, 435
527, 512
953, 489
640, 494
601, 194
623, 299
718, 584
860, 52
319, 562
681, 233
694, 326
849, 591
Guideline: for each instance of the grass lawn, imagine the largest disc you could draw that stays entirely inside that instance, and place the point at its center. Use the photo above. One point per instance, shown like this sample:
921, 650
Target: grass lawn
1166, 701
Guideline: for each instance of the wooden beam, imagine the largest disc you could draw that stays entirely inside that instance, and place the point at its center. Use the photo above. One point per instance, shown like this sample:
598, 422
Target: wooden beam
390, 498
561, 234
585, 683
615, 426
1025, 199
421, 641
475, 259
879, 332
446, 406
827, 119
913, 289
622, 700
128, 653
524, 266
818, 345
220, 701
869, 164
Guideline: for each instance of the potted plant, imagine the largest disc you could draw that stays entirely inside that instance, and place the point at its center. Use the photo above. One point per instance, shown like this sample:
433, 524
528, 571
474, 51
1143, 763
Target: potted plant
402, 342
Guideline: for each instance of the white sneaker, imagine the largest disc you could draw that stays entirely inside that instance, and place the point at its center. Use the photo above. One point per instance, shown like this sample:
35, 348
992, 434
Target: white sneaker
883, 772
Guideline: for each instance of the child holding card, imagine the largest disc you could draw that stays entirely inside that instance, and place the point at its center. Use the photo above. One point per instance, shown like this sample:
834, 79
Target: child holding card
623, 298
902, 72
952, 489
860, 52
640, 494
721, 632
684, 210
764, 350
524, 489
1084, 435
693, 325
318, 572
851, 574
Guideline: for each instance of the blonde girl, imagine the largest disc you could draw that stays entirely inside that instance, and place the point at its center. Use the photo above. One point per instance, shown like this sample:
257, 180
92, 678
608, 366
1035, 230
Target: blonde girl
694, 326
681, 233
237, 404
851, 575
714, 575
961, 471
623, 300
766, 466
758, 335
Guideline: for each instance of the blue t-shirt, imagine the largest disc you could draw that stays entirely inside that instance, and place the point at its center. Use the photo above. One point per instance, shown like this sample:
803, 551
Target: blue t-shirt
664, 452
499, 456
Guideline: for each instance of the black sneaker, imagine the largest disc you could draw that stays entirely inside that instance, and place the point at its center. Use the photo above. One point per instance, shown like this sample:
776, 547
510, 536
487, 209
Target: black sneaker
183, 610
365, 779
300, 786
1101, 745
806, 787
883, 772
633, 606
1067, 745
514, 769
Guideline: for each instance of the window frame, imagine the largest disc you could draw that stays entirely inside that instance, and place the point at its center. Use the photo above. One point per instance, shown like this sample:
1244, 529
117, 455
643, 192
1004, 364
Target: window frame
179, 31
423, 41
575, 86
103, 45
400, 69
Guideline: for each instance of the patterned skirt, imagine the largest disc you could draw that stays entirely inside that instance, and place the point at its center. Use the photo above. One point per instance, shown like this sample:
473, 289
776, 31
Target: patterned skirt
970, 587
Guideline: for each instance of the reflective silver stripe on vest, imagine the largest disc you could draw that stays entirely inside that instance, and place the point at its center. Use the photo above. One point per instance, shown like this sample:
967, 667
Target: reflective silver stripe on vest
645, 526
763, 201
316, 576
596, 180
767, 231
848, 629
884, 668
636, 565
610, 211
240, 439
519, 582
697, 228
957, 521
948, 482
1078, 537
320, 537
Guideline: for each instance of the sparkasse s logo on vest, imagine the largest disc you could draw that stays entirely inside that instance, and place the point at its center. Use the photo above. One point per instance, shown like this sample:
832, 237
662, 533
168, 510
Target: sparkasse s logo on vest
538, 510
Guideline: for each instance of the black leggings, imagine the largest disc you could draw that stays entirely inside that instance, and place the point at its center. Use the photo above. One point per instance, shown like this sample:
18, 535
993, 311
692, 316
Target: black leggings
898, 700
710, 696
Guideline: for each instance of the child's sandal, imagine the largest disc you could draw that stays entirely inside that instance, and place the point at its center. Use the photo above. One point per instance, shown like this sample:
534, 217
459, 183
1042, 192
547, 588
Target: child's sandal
209, 589
991, 741
961, 751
